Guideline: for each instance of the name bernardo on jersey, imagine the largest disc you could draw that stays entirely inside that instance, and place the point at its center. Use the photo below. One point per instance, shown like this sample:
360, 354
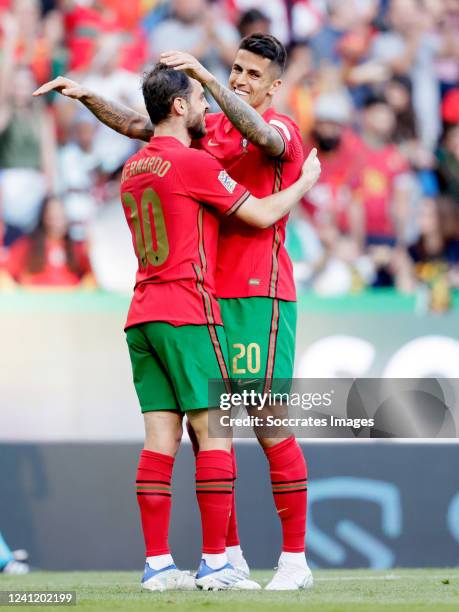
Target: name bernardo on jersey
153, 165
160, 167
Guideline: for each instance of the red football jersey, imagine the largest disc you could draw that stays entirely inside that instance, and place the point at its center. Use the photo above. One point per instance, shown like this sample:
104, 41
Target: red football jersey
329, 201
171, 194
252, 261
374, 185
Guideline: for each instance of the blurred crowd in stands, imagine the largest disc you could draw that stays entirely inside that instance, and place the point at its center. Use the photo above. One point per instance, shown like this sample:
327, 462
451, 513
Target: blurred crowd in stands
373, 84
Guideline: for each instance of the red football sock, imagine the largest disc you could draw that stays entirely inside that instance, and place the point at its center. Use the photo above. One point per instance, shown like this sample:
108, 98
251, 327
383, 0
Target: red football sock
232, 538
153, 484
214, 486
288, 472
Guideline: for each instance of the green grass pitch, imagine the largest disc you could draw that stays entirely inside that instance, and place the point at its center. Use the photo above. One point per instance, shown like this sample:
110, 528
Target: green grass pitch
335, 591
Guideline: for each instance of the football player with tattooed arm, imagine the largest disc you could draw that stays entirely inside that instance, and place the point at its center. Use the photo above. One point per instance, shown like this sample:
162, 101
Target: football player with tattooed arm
263, 150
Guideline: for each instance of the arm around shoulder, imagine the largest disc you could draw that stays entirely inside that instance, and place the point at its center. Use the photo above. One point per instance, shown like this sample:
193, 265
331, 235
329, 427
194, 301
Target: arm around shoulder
264, 212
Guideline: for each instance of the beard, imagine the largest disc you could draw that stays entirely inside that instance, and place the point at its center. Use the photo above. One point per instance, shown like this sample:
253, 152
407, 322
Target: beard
197, 127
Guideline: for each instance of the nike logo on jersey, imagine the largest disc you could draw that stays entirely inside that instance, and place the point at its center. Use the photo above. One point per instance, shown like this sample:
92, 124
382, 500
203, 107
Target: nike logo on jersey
211, 143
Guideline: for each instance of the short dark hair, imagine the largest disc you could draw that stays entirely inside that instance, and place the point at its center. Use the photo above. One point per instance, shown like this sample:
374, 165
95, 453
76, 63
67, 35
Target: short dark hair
160, 86
267, 46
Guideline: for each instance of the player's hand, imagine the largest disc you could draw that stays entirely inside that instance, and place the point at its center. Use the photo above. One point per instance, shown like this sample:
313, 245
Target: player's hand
311, 170
187, 62
64, 86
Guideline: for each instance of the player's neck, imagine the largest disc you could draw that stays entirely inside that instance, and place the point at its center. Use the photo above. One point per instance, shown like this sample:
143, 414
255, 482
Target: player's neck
174, 129
263, 106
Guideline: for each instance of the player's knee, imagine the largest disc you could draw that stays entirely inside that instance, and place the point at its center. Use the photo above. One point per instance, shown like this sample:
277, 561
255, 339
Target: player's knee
199, 426
166, 443
163, 434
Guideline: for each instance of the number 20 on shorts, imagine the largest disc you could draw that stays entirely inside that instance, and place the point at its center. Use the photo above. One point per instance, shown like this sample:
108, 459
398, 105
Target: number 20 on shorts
251, 353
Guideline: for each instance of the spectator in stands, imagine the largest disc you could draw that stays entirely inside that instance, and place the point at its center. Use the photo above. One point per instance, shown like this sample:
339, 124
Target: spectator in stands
33, 48
448, 152
360, 73
328, 204
296, 96
253, 21
342, 17
78, 163
410, 47
383, 180
275, 10
27, 145
398, 92
108, 78
198, 27
289, 21
434, 259
84, 24
439, 234
49, 257
444, 15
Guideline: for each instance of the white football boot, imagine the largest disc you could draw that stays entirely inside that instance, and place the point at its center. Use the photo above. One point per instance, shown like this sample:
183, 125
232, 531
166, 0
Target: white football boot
167, 579
291, 576
237, 560
16, 567
222, 579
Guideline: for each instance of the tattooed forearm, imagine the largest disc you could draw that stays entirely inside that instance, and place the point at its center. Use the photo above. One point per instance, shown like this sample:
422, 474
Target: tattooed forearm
247, 120
119, 117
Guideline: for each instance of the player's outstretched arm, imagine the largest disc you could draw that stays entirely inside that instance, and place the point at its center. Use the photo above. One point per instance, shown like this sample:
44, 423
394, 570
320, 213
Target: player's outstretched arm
244, 118
117, 116
265, 212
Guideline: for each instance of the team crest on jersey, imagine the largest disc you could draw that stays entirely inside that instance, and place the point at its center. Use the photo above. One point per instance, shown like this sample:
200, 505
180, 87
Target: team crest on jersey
244, 143
227, 181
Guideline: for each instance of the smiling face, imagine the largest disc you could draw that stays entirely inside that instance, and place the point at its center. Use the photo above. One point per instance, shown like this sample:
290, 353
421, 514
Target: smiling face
255, 79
